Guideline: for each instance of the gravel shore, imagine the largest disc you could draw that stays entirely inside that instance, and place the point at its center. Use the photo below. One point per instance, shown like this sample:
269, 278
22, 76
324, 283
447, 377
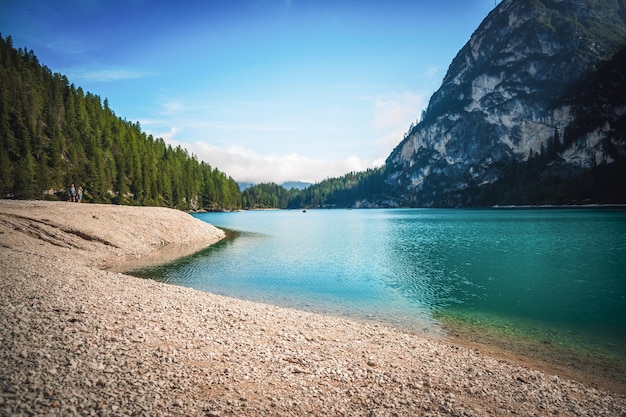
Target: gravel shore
77, 338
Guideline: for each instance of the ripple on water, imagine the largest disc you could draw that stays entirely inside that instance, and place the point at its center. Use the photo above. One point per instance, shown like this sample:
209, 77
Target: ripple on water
541, 280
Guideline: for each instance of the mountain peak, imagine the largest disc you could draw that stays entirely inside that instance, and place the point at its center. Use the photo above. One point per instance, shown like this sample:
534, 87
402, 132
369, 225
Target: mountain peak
507, 98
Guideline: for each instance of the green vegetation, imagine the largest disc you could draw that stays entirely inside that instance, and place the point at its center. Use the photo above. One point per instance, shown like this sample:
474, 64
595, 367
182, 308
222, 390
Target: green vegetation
344, 191
268, 195
53, 134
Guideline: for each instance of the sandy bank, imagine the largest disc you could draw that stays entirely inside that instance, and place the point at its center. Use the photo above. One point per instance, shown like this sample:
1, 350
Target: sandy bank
76, 339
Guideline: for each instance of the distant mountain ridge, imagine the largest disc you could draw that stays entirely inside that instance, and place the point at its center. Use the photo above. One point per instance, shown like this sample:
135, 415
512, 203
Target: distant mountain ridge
300, 185
532, 110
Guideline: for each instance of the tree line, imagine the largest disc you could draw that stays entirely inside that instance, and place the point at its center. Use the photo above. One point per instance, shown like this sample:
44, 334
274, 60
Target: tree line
53, 133
344, 191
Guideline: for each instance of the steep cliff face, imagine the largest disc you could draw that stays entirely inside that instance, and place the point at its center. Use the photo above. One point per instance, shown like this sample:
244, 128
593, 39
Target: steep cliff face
532, 104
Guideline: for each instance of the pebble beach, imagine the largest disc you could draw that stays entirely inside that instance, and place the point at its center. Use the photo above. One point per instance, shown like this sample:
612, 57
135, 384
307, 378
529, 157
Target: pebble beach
80, 338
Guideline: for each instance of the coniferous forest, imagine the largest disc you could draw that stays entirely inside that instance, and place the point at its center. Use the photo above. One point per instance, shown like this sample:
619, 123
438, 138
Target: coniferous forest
53, 134
349, 190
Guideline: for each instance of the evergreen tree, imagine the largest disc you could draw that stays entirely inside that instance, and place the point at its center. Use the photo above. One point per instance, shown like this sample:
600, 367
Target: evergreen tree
53, 133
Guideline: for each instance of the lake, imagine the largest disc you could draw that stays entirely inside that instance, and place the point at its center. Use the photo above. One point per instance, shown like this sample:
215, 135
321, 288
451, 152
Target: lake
538, 279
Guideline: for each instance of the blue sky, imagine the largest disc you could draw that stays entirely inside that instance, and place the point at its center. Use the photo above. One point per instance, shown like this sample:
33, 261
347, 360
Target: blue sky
264, 90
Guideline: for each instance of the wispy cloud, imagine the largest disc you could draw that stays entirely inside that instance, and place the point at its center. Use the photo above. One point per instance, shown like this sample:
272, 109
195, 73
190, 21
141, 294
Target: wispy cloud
68, 45
105, 74
234, 120
230, 138
393, 115
168, 136
431, 71
173, 106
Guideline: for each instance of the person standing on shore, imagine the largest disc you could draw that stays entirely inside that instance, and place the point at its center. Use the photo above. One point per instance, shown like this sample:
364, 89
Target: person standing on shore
80, 194
72, 193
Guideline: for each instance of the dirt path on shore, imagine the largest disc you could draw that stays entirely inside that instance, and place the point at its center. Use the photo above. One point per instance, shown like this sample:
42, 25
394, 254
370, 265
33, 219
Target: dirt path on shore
76, 339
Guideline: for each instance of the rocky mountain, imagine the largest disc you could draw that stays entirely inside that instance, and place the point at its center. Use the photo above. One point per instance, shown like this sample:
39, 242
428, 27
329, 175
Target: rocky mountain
532, 110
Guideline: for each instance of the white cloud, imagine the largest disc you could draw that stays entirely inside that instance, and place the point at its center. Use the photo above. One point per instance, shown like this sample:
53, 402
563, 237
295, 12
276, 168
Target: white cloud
238, 148
393, 114
169, 136
248, 166
252, 149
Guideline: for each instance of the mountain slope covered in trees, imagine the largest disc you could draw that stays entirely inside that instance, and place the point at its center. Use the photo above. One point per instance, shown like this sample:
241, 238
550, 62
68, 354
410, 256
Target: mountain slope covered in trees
355, 189
53, 134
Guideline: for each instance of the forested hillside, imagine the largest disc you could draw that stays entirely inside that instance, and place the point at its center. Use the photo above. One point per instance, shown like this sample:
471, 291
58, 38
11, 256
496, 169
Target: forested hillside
350, 190
53, 134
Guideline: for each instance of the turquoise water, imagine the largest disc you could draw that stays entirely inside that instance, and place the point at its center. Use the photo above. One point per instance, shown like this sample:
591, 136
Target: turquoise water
558, 275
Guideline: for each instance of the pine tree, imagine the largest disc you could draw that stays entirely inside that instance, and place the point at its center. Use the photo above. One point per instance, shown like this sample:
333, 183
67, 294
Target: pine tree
53, 133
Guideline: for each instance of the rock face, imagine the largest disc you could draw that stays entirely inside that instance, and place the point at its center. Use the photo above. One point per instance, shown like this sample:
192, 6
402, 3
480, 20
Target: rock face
531, 110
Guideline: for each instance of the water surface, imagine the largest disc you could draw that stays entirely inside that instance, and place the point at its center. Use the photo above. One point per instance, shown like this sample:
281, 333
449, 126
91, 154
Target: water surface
550, 277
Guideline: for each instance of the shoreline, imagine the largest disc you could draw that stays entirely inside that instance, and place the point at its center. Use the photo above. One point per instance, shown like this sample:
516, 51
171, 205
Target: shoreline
599, 369
562, 206
77, 337
593, 368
